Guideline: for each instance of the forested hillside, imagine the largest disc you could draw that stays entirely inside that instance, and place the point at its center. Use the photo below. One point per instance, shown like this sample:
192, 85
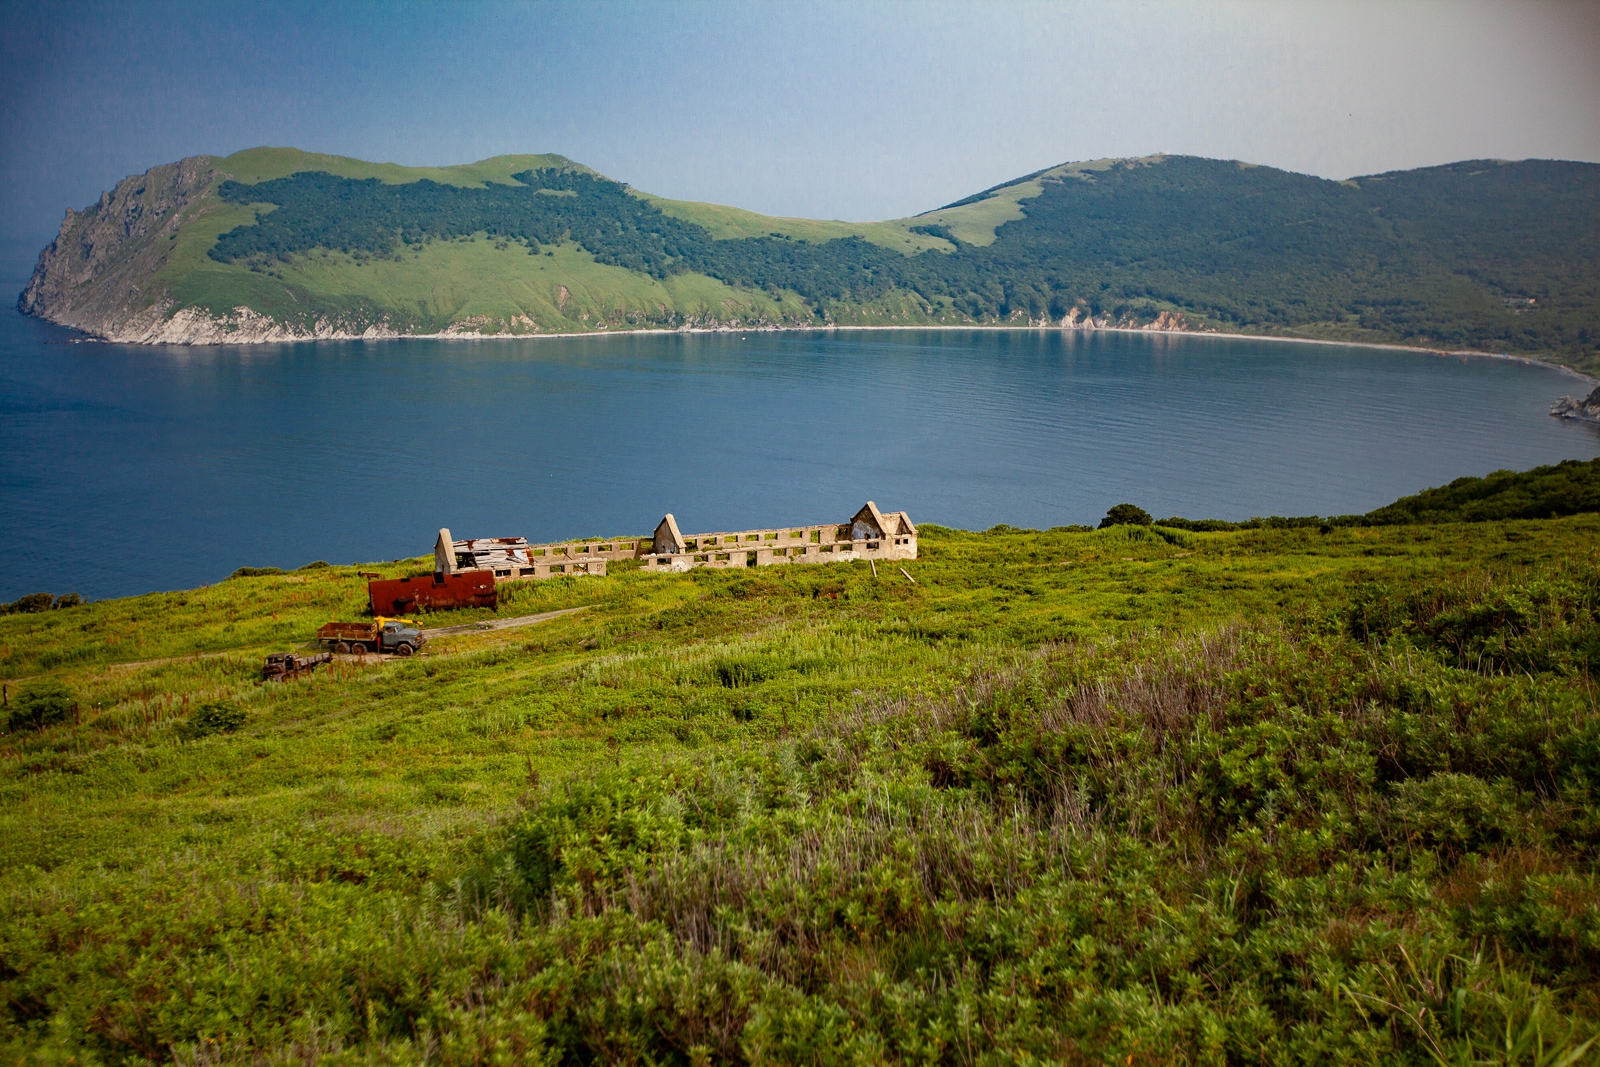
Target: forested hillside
1485, 255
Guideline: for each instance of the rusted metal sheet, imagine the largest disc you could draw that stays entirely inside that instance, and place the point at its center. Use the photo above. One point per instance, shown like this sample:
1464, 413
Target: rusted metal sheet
433, 592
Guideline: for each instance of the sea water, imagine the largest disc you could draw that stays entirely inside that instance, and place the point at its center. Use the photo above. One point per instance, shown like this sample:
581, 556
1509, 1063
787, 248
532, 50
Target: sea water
125, 469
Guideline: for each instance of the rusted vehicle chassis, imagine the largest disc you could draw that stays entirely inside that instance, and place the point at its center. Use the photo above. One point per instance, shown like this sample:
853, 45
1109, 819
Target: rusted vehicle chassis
281, 666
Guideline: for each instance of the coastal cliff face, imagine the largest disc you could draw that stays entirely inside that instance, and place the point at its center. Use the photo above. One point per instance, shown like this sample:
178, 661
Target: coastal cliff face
1585, 410
97, 275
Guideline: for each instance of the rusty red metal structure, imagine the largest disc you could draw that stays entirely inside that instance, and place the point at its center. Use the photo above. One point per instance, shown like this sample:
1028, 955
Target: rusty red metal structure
433, 592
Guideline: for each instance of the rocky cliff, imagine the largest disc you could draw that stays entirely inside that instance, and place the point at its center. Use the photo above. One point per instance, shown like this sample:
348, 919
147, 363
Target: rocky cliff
98, 275
1585, 410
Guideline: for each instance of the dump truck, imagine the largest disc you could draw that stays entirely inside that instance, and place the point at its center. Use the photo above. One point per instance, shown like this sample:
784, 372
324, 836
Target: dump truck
380, 635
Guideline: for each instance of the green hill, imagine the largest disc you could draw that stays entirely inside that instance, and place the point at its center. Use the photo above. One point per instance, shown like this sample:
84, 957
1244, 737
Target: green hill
273, 243
1126, 795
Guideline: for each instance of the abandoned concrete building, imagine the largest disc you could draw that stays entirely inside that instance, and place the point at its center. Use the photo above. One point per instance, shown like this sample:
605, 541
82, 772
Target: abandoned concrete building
870, 534
512, 558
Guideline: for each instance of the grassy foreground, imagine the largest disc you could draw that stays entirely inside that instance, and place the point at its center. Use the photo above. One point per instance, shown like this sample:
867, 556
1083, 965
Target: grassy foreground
1135, 795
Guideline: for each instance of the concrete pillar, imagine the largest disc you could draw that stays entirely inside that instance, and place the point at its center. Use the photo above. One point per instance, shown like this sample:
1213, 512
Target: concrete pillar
444, 553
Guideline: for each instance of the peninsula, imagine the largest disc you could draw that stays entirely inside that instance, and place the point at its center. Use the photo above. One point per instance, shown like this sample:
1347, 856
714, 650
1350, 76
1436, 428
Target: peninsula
276, 244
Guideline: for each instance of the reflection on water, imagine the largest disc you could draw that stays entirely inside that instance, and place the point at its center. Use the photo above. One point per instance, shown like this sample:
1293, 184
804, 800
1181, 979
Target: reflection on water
126, 469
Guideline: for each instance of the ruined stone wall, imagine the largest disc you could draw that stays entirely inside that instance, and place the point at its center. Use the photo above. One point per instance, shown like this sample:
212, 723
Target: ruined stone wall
830, 543
833, 543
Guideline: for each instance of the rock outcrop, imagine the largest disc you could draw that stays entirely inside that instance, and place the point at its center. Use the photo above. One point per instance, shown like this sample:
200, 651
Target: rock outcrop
98, 274
1585, 410
1166, 322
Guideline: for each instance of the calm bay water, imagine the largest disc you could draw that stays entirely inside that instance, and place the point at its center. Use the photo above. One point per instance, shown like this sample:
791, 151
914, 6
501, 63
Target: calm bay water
126, 469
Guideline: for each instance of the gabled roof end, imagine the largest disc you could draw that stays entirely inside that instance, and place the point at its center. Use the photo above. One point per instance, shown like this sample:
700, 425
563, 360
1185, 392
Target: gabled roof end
444, 553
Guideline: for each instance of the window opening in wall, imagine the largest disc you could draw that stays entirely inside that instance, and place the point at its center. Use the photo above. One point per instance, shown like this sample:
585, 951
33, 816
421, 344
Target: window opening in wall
702, 559
873, 545
557, 568
724, 555
749, 559
816, 536
605, 548
796, 533
537, 552
502, 574
772, 537
525, 570
827, 548
690, 546
584, 550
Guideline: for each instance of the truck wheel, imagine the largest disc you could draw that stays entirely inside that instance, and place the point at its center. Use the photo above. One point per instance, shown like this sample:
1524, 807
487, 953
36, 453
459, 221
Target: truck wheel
359, 649
403, 650
343, 648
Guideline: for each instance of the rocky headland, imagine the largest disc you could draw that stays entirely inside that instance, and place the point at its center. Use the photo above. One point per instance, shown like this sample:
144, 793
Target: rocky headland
1585, 410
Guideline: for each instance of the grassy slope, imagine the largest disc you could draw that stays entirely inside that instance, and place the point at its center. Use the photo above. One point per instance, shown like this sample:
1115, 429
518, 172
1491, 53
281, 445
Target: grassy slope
460, 281
733, 222
362, 794
264, 164
975, 223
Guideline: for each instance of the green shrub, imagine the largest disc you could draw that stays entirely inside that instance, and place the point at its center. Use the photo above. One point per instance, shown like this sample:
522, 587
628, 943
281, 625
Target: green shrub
1455, 813
31, 603
739, 671
40, 703
1126, 515
220, 718
255, 572
1148, 535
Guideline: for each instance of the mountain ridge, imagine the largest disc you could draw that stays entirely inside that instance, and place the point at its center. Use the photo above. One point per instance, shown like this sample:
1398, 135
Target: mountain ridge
1480, 254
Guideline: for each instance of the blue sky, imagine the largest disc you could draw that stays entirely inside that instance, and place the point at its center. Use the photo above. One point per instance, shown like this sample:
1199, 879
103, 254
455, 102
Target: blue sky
834, 110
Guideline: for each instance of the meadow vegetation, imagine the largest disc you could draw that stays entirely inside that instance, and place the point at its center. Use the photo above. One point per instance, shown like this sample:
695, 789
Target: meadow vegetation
1135, 795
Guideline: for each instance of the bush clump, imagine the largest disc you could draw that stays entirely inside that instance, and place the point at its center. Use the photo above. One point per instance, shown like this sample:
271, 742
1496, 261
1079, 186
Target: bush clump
40, 602
40, 703
1126, 515
220, 718
255, 572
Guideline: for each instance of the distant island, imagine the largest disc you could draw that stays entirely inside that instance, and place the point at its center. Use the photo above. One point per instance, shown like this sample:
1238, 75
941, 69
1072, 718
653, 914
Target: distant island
276, 244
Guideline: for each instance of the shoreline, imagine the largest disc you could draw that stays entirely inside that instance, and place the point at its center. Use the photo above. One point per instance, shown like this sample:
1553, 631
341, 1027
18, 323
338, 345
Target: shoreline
1461, 353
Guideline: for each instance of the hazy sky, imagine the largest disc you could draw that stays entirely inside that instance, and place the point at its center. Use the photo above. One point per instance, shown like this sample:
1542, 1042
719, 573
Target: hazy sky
855, 110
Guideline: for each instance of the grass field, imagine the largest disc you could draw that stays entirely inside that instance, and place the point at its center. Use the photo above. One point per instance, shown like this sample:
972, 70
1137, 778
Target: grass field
975, 223
1130, 795
265, 164
487, 285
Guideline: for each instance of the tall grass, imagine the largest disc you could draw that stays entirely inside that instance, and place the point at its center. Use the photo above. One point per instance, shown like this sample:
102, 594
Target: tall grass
1074, 797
